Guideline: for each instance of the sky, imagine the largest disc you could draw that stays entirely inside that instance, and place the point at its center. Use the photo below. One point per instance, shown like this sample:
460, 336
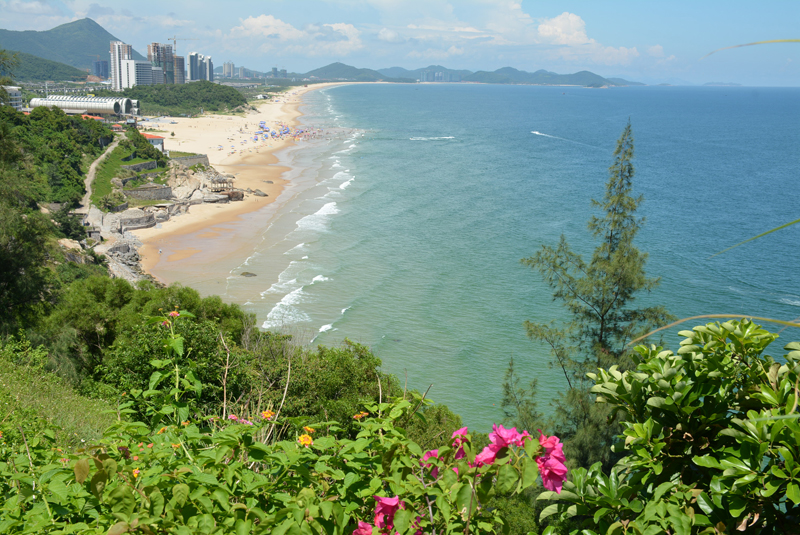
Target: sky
641, 40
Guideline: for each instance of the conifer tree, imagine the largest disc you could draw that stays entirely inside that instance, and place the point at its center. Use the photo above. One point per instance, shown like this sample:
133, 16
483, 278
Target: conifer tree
599, 296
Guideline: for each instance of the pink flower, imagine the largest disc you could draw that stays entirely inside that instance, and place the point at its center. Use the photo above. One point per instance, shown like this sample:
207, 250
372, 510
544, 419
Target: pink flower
551, 464
385, 510
233, 417
165, 323
552, 447
246, 422
431, 454
363, 528
487, 456
503, 438
459, 436
174, 314
553, 473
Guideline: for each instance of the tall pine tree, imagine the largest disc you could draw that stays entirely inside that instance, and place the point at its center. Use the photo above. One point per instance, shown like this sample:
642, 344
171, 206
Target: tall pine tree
599, 297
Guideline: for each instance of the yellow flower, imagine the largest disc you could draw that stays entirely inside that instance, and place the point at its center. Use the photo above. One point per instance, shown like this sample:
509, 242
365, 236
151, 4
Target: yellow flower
176, 446
305, 440
361, 415
163, 429
308, 430
135, 472
185, 423
267, 415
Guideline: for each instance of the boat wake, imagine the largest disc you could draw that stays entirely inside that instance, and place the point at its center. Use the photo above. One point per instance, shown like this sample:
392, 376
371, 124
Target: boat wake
564, 139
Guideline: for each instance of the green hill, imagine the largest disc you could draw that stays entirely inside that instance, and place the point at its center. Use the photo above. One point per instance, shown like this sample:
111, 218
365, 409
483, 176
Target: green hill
75, 43
400, 72
509, 75
35, 69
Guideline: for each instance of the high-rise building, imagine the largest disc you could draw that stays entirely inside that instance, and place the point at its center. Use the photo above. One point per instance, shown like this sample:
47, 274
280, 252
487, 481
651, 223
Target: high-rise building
194, 67
274, 72
227, 69
283, 73
180, 70
100, 69
209, 69
134, 72
14, 96
242, 73
160, 55
119, 52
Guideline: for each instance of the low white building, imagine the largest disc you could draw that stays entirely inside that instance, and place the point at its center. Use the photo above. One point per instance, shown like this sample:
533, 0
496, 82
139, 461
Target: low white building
14, 96
156, 141
136, 72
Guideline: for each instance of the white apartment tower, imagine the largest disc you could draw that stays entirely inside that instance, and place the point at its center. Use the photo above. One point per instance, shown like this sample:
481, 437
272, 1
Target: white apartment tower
209, 69
119, 53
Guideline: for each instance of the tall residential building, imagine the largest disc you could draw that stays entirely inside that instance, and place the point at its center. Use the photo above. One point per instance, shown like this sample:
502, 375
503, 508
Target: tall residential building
227, 69
14, 96
180, 70
283, 73
119, 52
157, 74
194, 67
160, 55
100, 69
135, 72
242, 73
209, 69
274, 72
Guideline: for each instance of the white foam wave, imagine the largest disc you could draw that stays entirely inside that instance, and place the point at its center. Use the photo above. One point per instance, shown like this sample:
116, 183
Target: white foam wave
285, 313
325, 328
297, 248
346, 183
792, 302
345, 309
318, 221
320, 278
545, 135
430, 138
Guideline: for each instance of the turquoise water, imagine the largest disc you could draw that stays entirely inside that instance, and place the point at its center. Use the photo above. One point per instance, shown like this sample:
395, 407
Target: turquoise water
405, 231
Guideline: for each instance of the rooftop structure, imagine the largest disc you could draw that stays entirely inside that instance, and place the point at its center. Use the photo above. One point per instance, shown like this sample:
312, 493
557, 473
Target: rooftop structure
88, 105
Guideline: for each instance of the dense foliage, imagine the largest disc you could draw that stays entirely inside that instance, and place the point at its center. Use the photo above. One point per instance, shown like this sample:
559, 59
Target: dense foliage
35, 69
187, 99
711, 440
52, 146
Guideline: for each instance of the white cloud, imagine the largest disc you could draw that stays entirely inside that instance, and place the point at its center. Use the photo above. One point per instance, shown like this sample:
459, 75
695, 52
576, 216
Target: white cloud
657, 51
335, 39
389, 36
436, 54
565, 29
35, 7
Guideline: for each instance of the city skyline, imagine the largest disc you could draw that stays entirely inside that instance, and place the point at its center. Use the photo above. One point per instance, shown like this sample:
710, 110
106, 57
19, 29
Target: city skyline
644, 41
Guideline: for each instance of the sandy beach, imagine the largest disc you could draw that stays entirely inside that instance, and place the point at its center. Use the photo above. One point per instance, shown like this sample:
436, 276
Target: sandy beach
227, 140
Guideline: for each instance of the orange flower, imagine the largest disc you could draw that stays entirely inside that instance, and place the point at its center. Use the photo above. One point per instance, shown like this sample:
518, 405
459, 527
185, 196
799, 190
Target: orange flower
267, 415
185, 423
361, 415
305, 440
135, 472
161, 430
176, 446
308, 430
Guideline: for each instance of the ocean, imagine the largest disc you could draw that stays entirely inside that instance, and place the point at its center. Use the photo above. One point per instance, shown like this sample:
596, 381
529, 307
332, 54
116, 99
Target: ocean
404, 231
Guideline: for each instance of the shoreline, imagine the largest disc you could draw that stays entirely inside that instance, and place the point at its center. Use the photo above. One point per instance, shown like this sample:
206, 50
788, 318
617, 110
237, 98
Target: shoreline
255, 167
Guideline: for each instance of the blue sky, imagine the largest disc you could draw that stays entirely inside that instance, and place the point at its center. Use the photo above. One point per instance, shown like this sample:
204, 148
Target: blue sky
640, 40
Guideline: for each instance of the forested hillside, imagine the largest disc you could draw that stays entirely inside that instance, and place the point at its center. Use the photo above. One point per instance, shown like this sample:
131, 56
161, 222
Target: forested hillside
187, 99
31, 68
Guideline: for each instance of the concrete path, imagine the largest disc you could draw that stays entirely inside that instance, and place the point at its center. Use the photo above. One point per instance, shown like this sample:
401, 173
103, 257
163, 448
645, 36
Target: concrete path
86, 201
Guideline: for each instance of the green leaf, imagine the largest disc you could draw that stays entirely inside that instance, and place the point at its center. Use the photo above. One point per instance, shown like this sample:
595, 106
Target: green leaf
793, 492
155, 378
530, 473
466, 505
705, 503
180, 493
121, 500
550, 510
327, 508
402, 519
81, 470
706, 461
507, 478
98, 484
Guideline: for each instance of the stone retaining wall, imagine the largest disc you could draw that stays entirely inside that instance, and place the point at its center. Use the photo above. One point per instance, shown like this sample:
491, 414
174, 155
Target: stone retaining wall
141, 166
150, 193
119, 208
189, 161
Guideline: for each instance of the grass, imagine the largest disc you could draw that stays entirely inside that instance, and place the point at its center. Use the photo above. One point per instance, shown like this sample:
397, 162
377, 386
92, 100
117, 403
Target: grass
108, 169
38, 400
179, 154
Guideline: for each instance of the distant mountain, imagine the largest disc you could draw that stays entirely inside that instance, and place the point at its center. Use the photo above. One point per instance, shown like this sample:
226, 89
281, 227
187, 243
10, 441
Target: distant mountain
509, 75
35, 69
622, 81
723, 84
75, 43
340, 71
399, 72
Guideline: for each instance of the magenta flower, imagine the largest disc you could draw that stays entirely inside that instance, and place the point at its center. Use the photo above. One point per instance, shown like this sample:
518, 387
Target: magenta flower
459, 436
487, 456
553, 473
233, 417
385, 510
246, 422
503, 438
552, 447
363, 528
174, 314
431, 454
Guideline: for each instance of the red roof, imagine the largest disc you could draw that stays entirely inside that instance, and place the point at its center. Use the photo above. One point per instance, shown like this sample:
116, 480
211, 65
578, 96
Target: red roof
151, 136
95, 117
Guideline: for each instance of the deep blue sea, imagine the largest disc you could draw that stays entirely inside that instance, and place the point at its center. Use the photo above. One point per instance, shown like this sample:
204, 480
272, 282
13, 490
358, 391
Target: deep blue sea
407, 228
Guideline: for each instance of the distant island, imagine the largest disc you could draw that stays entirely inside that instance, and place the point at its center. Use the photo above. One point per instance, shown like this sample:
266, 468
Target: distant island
63, 52
723, 84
